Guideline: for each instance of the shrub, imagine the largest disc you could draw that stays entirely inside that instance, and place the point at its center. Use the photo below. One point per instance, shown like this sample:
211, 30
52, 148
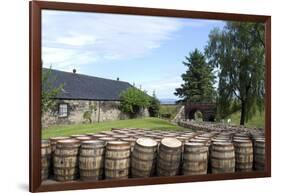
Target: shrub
133, 101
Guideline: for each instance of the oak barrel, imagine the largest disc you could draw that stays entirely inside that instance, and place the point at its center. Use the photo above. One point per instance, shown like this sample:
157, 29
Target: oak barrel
45, 159
53, 141
169, 157
195, 159
259, 152
143, 159
132, 142
243, 155
117, 159
91, 160
222, 157
66, 160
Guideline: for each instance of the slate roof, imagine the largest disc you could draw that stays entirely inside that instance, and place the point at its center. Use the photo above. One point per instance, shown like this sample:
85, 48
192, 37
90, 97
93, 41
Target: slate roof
83, 87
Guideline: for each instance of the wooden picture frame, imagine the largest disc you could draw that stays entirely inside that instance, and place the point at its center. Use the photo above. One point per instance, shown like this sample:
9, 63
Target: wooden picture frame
36, 8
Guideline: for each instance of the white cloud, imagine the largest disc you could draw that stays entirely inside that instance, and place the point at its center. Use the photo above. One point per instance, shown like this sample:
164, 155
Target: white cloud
164, 87
76, 40
82, 38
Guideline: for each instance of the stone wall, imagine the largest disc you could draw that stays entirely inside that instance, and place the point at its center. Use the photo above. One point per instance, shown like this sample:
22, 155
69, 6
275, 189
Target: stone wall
180, 115
102, 111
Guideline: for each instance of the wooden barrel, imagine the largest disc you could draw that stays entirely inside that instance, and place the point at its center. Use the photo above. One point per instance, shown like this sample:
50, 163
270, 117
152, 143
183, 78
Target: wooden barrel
77, 135
120, 136
243, 155
107, 139
259, 152
83, 138
117, 159
97, 136
143, 159
169, 157
132, 142
222, 157
195, 159
91, 160
45, 159
108, 133
53, 141
66, 160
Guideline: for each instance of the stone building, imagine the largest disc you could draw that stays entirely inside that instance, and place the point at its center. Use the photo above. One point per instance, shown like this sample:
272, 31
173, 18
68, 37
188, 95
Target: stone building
81, 94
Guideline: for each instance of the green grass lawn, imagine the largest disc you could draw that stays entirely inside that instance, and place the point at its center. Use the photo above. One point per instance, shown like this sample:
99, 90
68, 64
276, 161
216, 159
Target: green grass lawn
150, 123
256, 121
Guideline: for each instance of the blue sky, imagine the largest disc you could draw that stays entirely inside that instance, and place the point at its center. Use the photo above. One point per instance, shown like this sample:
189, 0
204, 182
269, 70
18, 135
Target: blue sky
144, 50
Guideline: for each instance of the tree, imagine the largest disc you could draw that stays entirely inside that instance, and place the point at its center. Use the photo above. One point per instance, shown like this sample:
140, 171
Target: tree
198, 80
238, 52
48, 92
133, 101
154, 106
87, 115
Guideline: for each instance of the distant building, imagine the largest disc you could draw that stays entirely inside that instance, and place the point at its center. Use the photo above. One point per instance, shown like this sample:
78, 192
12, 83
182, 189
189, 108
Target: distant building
81, 93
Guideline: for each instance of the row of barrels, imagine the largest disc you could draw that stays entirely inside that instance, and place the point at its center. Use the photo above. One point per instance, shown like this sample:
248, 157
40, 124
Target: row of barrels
117, 154
219, 127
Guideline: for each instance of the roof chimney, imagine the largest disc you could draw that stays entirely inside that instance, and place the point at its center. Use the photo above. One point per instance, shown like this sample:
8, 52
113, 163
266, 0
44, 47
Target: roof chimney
74, 71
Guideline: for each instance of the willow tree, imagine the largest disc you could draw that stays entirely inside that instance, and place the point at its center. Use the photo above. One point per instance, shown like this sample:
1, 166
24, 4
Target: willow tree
198, 80
238, 52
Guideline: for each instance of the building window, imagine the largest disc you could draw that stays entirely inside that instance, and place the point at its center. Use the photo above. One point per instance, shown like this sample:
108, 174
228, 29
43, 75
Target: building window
63, 110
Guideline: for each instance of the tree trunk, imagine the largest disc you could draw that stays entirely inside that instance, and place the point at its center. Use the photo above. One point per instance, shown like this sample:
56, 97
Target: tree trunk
243, 113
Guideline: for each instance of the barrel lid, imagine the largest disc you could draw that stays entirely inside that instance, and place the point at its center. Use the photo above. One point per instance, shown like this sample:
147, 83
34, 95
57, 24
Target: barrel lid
194, 144
198, 140
93, 143
242, 141
107, 139
115, 144
99, 135
107, 132
118, 143
146, 142
120, 136
222, 143
171, 142
182, 138
52, 139
203, 138
68, 141
129, 139
83, 138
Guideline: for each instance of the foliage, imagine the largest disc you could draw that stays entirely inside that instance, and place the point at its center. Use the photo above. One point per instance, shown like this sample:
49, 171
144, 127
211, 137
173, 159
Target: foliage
87, 115
149, 123
154, 106
238, 52
198, 116
168, 111
133, 100
198, 79
256, 121
48, 92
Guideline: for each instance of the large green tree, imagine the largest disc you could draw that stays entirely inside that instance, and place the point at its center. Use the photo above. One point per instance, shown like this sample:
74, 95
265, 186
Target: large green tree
238, 52
198, 80
154, 106
49, 92
134, 100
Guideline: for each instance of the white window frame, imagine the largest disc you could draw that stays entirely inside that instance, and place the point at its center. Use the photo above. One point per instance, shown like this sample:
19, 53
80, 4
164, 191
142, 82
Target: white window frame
63, 110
